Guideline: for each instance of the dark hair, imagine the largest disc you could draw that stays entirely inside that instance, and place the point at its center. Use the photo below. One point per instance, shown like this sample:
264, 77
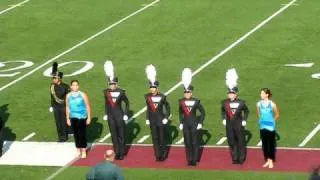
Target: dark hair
267, 91
74, 81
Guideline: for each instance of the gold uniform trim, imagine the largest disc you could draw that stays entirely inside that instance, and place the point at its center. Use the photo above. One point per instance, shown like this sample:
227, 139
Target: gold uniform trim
58, 100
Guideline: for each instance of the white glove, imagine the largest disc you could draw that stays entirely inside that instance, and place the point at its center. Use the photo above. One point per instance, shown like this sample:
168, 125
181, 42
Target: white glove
244, 123
165, 121
181, 126
105, 117
224, 122
199, 126
125, 118
147, 122
50, 109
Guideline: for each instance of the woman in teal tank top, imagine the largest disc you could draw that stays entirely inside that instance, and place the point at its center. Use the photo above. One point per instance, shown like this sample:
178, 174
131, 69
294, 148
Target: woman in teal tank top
268, 113
78, 113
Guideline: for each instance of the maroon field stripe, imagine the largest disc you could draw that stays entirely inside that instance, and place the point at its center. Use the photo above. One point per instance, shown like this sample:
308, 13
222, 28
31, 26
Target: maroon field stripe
212, 159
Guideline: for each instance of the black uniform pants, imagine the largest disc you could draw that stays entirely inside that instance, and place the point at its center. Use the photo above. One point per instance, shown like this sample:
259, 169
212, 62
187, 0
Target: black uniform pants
117, 130
268, 139
79, 129
61, 123
236, 140
157, 133
191, 141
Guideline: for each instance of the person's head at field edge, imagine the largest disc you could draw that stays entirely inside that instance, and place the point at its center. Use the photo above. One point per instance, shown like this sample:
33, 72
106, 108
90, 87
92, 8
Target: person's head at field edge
233, 93
265, 94
74, 85
109, 155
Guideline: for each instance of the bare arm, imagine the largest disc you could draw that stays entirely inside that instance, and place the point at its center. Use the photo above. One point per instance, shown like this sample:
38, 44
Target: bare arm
86, 100
67, 110
258, 111
276, 111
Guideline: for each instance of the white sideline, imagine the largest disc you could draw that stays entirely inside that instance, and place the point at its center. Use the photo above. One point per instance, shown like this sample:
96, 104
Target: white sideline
14, 6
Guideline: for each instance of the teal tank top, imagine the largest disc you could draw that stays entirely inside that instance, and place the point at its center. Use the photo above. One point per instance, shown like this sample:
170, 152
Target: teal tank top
77, 105
266, 120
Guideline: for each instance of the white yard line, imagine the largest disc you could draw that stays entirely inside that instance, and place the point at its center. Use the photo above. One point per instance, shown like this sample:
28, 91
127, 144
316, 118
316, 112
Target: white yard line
310, 135
222, 140
303, 65
13, 6
61, 169
77, 45
29, 136
294, 4
180, 141
143, 138
259, 143
105, 138
242, 38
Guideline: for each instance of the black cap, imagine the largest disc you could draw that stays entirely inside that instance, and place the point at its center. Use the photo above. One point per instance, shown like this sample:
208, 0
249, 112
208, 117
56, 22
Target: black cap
189, 89
234, 90
55, 73
154, 85
113, 81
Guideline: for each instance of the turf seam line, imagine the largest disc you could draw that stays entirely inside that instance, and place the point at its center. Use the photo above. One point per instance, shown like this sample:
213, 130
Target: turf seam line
14, 6
77, 45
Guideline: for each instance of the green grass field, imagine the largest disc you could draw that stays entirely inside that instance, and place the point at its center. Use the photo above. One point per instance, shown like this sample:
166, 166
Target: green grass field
172, 35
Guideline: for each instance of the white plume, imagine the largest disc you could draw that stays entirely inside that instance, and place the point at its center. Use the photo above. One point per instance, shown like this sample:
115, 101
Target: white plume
231, 78
109, 70
186, 77
151, 73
